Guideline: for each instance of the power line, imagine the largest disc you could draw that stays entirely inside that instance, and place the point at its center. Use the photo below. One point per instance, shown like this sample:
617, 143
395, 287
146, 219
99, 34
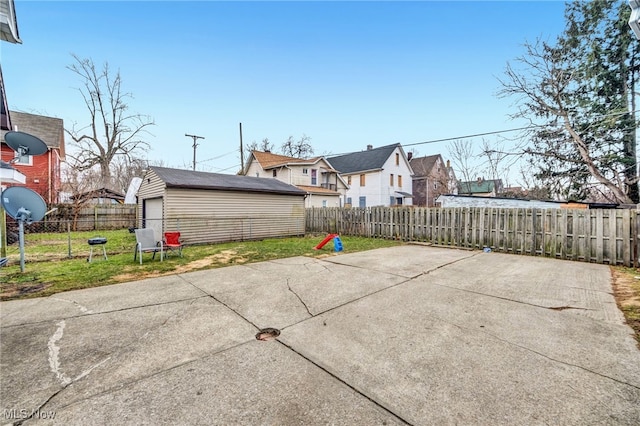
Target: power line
218, 157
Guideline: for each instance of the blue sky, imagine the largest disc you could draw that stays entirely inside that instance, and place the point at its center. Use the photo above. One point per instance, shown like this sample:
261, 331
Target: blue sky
346, 74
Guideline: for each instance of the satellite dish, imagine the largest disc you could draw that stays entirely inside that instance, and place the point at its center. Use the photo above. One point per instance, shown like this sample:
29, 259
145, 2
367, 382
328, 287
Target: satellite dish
23, 204
25, 144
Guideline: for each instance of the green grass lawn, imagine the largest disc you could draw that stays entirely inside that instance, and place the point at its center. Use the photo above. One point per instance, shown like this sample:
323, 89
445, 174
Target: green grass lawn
50, 270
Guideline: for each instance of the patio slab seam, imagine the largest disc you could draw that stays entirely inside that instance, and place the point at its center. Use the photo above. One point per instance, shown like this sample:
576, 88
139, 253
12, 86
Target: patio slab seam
347, 384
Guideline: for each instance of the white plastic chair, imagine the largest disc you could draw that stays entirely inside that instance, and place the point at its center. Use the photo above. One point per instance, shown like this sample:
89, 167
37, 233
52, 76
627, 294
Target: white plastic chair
146, 243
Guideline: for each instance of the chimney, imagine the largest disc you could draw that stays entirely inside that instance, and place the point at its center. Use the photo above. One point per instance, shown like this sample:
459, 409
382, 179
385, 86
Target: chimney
409, 156
369, 147
448, 164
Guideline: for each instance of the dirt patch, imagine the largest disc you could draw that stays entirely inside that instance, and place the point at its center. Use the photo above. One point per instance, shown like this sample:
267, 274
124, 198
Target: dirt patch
225, 257
12, 291
626, 289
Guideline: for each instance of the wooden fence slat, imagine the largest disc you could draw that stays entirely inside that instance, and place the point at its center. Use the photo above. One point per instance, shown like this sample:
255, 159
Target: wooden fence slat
603, 236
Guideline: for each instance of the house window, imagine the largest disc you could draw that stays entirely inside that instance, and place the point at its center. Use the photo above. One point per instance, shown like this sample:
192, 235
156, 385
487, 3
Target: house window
363, 202
25, 160
314, 177
349, 200
400, 181
275, 173
392, 200
391, 179
362, 180
397, 159
324, 203
305, 171
349, 180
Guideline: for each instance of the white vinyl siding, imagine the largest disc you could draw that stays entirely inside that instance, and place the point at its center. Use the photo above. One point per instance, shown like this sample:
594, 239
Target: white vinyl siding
151, 187
212, 215
204, 216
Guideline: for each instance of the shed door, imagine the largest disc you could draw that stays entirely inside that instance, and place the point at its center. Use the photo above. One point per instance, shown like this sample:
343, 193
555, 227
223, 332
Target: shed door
152, 212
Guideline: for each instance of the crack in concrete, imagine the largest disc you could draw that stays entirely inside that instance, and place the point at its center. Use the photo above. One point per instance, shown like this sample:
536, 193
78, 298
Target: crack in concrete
129, 308
558, 360
349, 385
406, 280
82, 308
462, 327
553, 308
299, 298
121, 385
223, 304
54, 351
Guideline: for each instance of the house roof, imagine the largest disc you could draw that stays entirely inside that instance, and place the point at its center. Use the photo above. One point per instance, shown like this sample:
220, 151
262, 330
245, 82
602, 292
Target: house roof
476, 187
100, 193
8, 22
371, 159
318, 190
422, 166
49, 129
177, 178
269, 160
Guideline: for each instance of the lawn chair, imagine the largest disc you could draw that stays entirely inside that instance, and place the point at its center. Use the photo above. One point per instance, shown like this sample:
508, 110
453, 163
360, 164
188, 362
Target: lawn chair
172, 242
146, 243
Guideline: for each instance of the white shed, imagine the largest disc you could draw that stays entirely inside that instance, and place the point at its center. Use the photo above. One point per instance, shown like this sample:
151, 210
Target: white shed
213, 207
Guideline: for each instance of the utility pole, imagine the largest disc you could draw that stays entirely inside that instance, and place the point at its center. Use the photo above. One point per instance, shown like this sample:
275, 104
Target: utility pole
195, 144
241, 151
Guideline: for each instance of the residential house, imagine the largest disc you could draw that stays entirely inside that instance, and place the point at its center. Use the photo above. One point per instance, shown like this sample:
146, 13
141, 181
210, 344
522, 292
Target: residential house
323, 184
8, 22
430, 179
376, 177
481, 187
8, 33
213, 207
42, 171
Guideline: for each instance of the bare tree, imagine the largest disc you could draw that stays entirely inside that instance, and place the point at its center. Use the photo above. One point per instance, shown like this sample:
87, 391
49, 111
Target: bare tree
111, 130
299, 149
463, 156
264, 146
123, 169
77, 184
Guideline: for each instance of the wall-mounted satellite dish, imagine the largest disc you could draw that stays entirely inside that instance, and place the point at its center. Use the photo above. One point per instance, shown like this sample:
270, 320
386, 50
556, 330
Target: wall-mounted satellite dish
25, 144
25, 206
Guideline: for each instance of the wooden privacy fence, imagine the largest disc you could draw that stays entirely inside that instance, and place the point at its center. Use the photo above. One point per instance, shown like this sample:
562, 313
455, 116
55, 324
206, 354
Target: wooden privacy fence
600, 235
90, 217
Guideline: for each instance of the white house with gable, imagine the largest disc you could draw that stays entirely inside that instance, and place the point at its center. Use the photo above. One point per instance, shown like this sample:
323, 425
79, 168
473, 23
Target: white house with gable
376, 177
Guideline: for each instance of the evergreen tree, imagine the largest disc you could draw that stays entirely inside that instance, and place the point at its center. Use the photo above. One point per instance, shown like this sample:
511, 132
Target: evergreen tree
581, 93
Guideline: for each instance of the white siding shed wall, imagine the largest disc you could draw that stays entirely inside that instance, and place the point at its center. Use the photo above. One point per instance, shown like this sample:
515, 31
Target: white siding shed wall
212, 215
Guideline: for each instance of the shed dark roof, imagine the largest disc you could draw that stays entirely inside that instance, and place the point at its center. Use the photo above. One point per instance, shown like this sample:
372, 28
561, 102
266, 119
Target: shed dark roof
371, 159
49, 129
177, 178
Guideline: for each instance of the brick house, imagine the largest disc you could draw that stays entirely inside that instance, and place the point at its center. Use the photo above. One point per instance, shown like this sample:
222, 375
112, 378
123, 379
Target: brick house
42, 172
430, 179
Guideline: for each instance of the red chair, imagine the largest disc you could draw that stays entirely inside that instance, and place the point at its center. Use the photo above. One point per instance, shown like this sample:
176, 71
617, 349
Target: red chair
172, 242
